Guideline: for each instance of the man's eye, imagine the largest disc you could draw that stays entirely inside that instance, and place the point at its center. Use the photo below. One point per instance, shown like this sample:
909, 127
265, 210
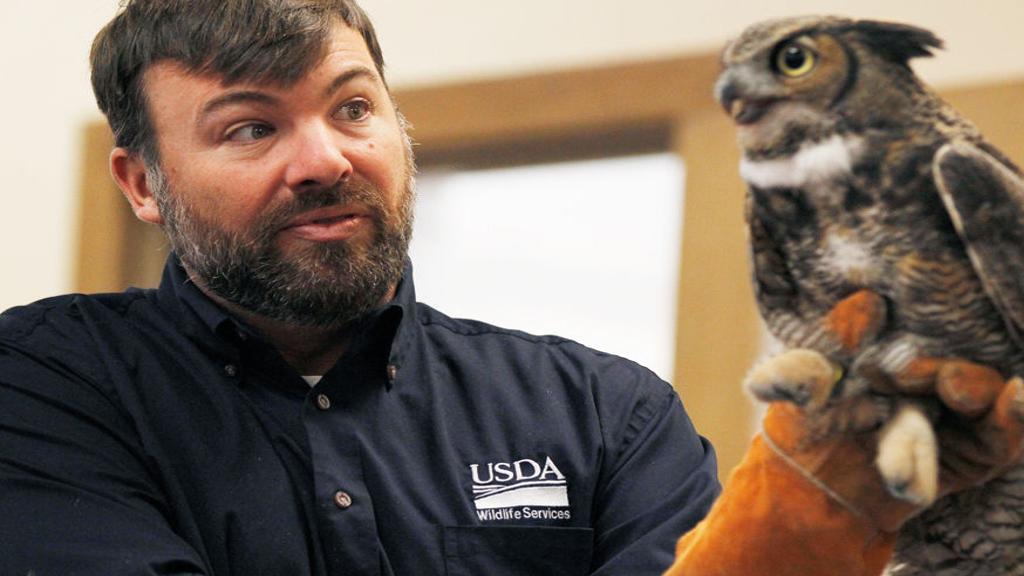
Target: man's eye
355, 110
250, 132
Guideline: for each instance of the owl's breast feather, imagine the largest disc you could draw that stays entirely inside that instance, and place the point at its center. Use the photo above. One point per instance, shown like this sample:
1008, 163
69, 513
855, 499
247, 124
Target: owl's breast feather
852, 259
813, 163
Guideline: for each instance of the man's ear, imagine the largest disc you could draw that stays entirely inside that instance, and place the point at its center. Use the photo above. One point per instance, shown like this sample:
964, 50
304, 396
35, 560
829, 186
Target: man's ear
129, 171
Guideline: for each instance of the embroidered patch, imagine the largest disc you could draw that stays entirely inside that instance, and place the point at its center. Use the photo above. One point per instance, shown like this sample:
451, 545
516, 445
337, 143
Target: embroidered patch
523, 489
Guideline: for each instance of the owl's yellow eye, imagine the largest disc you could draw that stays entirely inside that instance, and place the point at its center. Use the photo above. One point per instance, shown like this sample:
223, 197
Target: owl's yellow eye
794, 60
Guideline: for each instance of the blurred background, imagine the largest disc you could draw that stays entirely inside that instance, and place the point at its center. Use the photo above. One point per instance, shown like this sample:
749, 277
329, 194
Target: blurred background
577, 178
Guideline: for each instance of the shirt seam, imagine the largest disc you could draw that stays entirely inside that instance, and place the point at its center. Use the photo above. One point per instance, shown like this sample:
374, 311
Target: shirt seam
643, 416
525, 337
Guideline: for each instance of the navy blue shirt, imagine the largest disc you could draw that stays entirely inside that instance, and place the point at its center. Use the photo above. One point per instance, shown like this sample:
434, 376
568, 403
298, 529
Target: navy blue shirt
149, 432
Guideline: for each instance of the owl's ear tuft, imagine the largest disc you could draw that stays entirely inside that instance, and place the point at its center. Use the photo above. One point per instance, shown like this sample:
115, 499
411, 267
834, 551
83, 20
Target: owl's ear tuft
897, 43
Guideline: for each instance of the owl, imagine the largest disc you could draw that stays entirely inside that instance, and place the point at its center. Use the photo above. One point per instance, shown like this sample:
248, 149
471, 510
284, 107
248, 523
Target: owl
862, 180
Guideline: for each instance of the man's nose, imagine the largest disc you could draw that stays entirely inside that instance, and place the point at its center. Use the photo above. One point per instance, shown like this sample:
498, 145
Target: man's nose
318, 158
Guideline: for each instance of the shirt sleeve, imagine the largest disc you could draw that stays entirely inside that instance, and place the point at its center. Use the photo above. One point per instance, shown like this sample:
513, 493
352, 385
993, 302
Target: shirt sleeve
75, 494
658, 481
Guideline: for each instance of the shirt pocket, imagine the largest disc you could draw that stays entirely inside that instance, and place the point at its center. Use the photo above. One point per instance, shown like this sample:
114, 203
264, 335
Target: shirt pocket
517, 550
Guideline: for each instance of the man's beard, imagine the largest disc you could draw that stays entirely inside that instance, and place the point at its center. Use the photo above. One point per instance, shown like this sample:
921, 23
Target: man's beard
322, 284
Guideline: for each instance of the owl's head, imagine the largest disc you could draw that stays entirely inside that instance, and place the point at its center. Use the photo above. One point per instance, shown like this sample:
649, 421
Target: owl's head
812, 74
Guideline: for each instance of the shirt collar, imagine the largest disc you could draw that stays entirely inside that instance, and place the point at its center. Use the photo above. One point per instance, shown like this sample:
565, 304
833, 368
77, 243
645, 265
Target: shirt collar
392, 326
210, 314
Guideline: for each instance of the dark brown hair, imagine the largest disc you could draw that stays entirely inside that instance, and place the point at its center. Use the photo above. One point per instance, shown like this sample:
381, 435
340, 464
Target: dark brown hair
262, 41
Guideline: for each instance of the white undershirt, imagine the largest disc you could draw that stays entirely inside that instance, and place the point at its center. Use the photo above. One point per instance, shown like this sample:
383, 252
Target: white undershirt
312, 380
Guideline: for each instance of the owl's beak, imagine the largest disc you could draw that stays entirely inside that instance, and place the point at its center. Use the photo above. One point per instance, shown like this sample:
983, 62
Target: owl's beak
743, 110
736, 108
748, 111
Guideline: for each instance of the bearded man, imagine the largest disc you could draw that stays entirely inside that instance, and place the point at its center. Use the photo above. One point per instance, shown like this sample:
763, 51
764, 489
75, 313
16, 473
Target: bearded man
282, 405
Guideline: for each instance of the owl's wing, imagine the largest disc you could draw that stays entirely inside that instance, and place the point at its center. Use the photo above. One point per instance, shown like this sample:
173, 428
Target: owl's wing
775, 289
774, 286
985, 200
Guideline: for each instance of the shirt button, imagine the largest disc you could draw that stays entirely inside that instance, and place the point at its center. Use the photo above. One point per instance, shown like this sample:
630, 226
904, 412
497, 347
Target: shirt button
231, 369
323, 402
392, 373
342, 499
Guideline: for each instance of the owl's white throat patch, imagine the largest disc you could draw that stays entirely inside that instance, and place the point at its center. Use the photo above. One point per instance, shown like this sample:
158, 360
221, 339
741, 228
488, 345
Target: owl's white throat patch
812, 164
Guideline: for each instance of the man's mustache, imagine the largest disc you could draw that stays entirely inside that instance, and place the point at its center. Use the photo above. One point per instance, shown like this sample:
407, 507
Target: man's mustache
340, 194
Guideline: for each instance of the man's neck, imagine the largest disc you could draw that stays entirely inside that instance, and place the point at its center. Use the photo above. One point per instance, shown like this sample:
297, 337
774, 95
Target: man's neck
310, 350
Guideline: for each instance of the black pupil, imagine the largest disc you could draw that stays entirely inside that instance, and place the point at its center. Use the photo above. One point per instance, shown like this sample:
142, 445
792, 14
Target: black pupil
794, 57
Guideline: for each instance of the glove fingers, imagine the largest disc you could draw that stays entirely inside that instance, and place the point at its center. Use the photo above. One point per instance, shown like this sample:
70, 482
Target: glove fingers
968, 389
975, 450
1003, 428
857, 319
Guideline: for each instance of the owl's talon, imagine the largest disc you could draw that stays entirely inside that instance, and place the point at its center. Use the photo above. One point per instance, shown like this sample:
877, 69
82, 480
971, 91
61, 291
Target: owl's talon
802, 377
900, 488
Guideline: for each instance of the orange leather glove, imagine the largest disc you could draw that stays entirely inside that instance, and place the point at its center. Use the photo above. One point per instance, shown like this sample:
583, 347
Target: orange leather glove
808, 502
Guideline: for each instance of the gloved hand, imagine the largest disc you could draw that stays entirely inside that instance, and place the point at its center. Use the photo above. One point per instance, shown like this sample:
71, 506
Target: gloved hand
808, 500
979, 434
834, 438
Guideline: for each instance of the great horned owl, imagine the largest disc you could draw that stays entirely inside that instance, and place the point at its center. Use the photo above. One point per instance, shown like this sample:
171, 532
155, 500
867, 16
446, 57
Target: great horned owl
860, 177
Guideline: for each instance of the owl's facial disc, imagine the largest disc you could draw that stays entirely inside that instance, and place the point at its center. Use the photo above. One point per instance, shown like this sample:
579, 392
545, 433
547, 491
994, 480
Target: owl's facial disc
782, 83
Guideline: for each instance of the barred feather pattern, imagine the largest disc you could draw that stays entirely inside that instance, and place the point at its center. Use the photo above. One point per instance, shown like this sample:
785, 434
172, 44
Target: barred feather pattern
882, 227
940, 309
979, 532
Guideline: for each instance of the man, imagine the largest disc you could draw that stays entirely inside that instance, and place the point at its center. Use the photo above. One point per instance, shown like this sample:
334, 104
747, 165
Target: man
282, 405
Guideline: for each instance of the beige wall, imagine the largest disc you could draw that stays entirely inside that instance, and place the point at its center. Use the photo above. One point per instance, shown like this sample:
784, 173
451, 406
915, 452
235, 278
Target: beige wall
428, 40
46, 96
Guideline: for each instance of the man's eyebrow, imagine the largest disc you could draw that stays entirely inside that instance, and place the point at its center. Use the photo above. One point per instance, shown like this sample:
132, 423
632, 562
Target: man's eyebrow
238, 97
347, 76
257, 97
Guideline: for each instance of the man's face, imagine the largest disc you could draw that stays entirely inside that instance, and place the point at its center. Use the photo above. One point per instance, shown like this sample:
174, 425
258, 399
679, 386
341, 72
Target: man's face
294, 203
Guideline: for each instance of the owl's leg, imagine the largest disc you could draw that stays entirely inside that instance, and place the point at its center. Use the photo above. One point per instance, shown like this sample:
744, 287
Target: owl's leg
898, 365
795, 375
908, 451
841, 333
908, 456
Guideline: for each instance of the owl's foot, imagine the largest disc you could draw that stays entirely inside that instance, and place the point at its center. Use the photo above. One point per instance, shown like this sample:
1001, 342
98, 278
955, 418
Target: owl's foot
833, 404
800, 376
908, 456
